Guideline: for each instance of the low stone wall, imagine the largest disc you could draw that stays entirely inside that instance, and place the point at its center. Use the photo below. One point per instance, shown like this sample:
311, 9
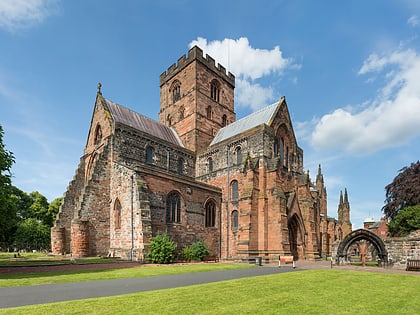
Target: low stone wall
402, 248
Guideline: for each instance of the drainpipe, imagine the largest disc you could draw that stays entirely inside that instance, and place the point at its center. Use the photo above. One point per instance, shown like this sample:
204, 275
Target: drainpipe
132, 218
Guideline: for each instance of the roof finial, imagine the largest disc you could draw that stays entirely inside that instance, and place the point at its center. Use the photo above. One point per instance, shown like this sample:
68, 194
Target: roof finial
99, 88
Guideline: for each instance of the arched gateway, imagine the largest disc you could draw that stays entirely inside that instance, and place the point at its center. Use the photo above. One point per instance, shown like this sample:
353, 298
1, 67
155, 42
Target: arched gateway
357, 235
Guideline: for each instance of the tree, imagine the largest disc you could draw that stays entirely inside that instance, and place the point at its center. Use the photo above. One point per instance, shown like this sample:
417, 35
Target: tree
404, 191
53, 209
7, 206
39, 208
162, 249
407, 220
32, 234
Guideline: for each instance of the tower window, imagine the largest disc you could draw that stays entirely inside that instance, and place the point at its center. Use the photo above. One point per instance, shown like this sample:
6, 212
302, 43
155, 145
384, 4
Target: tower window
234, 190
210, 214
173, 208
181, 112
224, 121
149, 155
235, 223
209, 112
176, 91
215, 90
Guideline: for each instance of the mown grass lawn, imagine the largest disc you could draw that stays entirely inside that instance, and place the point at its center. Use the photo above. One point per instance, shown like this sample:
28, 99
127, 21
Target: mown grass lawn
305, 292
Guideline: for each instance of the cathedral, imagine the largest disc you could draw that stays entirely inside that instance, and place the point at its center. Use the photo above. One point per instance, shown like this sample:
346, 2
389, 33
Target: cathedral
197, 174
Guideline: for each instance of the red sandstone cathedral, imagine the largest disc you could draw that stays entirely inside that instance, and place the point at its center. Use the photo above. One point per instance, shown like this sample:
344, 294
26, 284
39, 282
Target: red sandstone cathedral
197, 174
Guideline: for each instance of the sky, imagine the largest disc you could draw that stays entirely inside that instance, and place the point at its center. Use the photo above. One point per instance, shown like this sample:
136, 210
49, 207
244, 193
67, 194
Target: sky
350, 72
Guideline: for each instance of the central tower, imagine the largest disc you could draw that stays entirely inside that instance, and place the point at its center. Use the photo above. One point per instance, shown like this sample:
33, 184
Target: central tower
196, 98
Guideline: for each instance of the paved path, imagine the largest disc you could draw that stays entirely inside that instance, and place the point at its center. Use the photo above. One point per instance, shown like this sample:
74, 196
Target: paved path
40, 294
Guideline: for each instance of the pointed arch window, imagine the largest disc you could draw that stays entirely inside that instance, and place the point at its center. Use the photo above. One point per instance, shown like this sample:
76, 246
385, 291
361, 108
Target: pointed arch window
276, 147
209, 112
98, 135
224, 121
238, 153
215, 90
176, 91
181, 112
235, 220
210, 213
180, 167
210, 164
173, 208
234, 190
117, 214
150, 152
282, 151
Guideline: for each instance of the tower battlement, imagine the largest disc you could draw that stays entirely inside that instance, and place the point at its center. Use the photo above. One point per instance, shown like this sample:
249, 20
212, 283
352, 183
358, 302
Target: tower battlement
196, 53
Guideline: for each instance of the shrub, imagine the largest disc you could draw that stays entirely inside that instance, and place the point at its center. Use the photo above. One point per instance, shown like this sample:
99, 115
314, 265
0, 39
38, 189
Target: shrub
162, 249
196, 251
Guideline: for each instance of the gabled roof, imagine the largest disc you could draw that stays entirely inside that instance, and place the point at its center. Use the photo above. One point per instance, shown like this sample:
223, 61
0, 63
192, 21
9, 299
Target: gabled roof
130, 118
262, 116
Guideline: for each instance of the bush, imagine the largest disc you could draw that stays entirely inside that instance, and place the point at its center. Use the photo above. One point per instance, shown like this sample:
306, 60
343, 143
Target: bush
162, 249
196, 251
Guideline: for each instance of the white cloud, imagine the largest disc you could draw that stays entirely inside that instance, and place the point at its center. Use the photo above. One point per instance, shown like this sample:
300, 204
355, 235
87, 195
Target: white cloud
391, 119
248, 64
413, 21
20, 14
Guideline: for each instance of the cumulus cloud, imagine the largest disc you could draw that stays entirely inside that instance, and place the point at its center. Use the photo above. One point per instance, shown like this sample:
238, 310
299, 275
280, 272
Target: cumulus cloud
20, 14
413, 21
248, 64
391, 119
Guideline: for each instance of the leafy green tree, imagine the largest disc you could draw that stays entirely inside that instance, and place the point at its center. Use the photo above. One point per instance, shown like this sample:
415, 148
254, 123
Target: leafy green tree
407, 220
162, 249
7, 207
32, 234
39, 207
404, 190
22, 202
53, 209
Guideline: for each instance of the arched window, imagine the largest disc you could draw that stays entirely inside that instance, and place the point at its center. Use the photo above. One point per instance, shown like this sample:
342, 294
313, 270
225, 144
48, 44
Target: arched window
180, 166
176, 91
117, 214
210, 164
181, 112
234, 190
276, 147
173, 208
210, 213
238, 152
286, 162
149, 155
169, 120
235, 223
209, 112
98, 135
224, 121
215, 90
282, 151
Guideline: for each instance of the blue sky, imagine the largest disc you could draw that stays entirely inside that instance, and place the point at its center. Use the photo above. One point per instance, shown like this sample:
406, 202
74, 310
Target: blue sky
350, 72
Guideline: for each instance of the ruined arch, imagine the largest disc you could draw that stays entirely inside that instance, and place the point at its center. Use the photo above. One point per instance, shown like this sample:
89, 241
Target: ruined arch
357, 235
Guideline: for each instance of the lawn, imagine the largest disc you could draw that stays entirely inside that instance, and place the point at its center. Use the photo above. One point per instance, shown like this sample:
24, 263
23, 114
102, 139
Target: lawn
304, 292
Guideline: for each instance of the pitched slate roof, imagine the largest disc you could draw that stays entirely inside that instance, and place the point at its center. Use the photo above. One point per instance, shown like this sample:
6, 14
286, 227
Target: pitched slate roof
130, 118
262, 116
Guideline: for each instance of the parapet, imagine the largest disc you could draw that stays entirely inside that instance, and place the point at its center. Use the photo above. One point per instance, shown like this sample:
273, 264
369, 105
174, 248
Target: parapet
196, 53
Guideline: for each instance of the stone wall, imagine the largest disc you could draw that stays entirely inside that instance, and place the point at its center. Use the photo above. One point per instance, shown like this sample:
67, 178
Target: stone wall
402, 248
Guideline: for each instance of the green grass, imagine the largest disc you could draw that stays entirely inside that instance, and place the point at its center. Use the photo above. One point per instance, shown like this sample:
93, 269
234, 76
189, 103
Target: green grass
20, 279
304, 292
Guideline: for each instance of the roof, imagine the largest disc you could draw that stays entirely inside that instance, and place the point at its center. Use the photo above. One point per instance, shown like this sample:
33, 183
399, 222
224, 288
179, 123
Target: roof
369, 220
130, 118
263, 116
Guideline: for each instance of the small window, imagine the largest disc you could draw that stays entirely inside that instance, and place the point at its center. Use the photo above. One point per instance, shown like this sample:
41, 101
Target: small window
117, 214
209, 112
149, 155
276, 148
173, 208
210, 164
234, 190
215, 90
98, 135
224, 121
238, 153
235, 223
169, 120
181, 112
282, 151
176, 91
181, 166
210, 214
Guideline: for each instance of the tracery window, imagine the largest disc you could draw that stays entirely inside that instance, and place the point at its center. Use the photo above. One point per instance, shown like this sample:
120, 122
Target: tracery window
117, 214
210, 213
150, 152
235, 219
173, 208
176, 91
234, 190
215, 90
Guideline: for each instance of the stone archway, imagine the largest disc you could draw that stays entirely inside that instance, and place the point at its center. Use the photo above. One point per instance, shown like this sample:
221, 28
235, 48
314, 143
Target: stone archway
358, 235
296, 237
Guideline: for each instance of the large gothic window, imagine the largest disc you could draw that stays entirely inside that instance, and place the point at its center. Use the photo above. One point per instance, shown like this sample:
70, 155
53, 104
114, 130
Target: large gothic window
98, 135
149, 154
210, 213
238, 153
117, 214
234, 190
215, 90
235, 219
173, 208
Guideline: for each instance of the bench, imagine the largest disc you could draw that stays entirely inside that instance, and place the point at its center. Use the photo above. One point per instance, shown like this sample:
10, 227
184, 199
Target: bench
413, 265
209, 258
286, 259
